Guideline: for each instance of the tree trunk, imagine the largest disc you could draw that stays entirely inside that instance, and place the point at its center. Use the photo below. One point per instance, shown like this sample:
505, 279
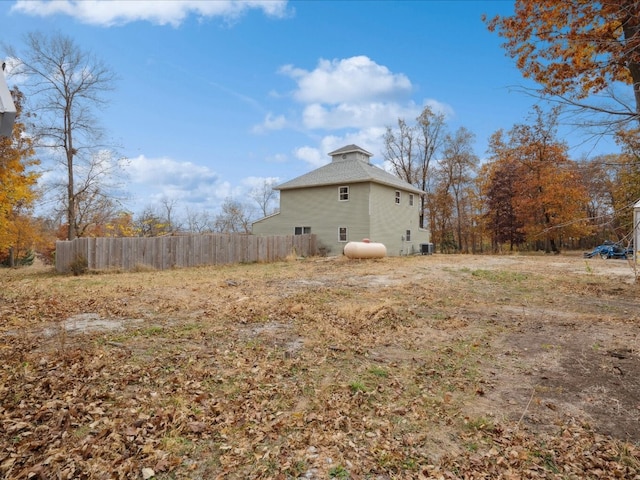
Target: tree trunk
71, 199
71, 206
631, 29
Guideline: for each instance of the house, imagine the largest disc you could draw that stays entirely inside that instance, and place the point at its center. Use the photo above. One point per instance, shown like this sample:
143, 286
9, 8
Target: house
346, 200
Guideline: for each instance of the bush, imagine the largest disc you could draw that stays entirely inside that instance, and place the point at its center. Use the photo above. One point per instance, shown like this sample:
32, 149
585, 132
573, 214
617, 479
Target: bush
323, 250
79, 266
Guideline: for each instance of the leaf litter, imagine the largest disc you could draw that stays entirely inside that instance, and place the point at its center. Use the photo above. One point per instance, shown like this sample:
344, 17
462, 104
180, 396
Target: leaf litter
431, 367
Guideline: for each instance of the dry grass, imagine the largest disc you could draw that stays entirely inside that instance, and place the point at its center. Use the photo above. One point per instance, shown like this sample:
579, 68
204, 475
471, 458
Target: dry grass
312, 368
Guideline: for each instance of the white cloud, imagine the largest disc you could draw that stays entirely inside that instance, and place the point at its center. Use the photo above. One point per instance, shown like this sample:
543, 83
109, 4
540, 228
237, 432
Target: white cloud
11, 64
168, 12
259, 182
369, 138
311, 155
353, 93
277, 158
270, 122
12, 70
166, 171
356, 115
355, 79
439, 107
152, 179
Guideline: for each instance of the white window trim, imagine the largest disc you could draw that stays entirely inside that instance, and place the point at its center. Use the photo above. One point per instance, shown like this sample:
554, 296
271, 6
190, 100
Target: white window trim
411, 199
303, 228
346, 234
398, 197
340, 199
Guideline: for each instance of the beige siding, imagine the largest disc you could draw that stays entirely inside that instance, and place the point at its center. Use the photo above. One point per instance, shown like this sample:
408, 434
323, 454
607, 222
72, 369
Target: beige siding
321, 209
390, 221
370, 212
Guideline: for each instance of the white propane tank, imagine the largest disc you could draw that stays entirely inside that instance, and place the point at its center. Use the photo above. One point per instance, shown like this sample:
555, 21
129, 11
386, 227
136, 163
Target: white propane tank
365, 249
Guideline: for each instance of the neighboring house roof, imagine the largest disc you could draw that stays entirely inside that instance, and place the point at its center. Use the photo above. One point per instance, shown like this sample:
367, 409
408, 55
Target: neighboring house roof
342, 172
268, 216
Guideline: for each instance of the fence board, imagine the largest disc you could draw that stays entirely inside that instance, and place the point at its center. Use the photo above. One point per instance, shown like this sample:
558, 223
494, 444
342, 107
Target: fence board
129, 253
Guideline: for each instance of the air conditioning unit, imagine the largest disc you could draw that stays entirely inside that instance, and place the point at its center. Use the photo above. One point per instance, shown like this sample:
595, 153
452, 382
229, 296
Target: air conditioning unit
7, 108
426, 248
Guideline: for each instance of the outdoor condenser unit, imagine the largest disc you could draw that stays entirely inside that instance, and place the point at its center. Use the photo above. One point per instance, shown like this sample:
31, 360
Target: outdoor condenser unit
426, 248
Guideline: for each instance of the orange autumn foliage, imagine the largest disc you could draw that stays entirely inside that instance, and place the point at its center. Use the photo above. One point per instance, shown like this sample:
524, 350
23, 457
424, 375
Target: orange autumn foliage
574, 48
547, 198
17, 188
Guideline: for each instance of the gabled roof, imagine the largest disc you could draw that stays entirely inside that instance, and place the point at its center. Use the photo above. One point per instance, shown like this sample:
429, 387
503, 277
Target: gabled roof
345, 172
349, 149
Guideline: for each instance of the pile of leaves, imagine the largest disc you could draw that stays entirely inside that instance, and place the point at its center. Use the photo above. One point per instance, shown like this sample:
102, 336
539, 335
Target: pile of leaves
325, 374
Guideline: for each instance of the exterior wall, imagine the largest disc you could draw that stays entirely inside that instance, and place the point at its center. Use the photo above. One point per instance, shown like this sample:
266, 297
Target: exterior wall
371, 212
321, 209
390, 221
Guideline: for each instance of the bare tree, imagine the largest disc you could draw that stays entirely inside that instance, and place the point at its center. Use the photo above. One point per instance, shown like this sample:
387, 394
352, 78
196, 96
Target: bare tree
199, 221
67, 85
149, 223
96, 200
410, 150
234, 218
169, 205
264, 195
455, 171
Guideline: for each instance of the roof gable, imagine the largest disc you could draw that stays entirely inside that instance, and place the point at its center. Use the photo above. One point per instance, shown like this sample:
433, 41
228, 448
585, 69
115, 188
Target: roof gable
352, 170
350, 149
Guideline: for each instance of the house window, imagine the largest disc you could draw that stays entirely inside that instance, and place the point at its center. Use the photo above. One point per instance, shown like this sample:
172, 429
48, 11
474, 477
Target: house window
407, 236
343, 193
397, 197
411, 199
342, 234
301, 230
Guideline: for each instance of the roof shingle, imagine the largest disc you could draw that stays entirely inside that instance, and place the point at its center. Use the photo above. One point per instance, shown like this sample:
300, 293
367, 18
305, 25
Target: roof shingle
344, 172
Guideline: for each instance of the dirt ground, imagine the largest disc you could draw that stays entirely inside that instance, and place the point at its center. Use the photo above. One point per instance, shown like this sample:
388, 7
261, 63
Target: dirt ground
556, 354
575, 356
566, 355
528, 342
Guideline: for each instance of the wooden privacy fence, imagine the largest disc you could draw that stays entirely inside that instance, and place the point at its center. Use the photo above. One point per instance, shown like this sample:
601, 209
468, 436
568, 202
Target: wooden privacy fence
160, 253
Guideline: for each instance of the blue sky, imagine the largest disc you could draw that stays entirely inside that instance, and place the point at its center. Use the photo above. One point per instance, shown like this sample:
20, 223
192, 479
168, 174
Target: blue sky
214, 97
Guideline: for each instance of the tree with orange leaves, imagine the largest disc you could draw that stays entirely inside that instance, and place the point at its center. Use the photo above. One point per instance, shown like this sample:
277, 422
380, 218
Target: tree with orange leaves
17, 189
534, 190
578, 48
